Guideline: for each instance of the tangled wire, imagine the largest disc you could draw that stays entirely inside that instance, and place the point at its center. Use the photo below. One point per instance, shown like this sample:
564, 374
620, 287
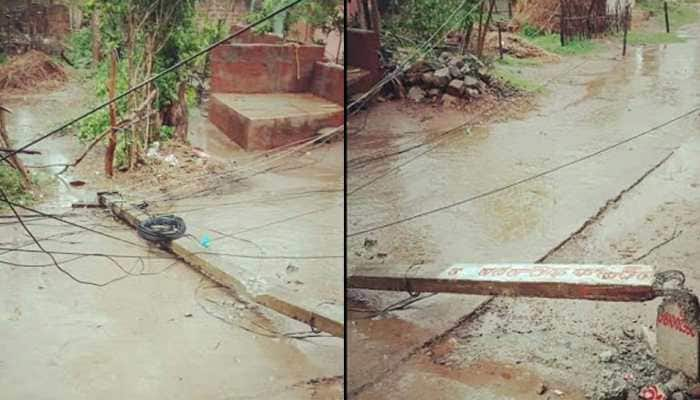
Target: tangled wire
164, 228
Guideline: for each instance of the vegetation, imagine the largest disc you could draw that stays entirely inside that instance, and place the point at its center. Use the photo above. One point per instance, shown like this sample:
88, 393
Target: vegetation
409, 24
3, 58
514, 78
679, 12
637, 38
552, 44
518, 62
11, 183
326, 15
145, 37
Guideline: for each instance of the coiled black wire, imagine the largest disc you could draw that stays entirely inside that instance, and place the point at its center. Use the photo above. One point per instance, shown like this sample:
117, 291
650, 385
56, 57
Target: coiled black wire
163, 228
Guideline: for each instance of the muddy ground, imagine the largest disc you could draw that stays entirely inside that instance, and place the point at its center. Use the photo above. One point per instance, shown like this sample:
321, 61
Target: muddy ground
155, 328
452, 346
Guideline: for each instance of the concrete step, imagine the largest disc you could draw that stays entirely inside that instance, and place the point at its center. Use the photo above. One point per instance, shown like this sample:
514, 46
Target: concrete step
265, 121
358, 80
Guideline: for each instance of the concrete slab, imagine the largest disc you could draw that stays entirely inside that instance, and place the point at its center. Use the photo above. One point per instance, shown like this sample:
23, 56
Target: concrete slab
265, 121
164, 332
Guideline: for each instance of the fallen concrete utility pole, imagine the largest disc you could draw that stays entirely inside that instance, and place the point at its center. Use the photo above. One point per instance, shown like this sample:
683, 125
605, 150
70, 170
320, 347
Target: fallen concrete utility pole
298, 306
678, 317
564, 281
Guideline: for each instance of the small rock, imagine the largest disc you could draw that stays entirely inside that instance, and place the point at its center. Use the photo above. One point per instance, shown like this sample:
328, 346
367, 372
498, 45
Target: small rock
606, 356
541, 389
456, 88
677, 383
188, 315
369, 243
419, 67
558, 392
428, 78
449, 100
442, 77
470, 81
434, 92
678, 396
416, 94
457, 62
472, 92
455, 72
444, 57
291, 268
413, 78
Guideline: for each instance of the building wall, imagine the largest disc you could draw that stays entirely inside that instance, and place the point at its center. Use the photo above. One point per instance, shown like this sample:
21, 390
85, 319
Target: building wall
229, 12
48, 22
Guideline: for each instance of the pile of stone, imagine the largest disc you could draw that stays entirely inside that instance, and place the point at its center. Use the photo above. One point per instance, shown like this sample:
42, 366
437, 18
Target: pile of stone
447, 79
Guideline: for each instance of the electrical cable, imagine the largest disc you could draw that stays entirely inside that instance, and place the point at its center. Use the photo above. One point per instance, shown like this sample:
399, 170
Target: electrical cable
526, 179
161, 229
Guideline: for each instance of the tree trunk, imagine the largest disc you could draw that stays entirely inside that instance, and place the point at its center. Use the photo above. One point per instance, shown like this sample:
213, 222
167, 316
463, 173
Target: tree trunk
112, 146
14, 160
96, 37
181, 117
485, 30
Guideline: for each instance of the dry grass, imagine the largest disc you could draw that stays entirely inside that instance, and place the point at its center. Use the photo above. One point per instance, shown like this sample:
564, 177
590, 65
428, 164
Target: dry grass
30, 71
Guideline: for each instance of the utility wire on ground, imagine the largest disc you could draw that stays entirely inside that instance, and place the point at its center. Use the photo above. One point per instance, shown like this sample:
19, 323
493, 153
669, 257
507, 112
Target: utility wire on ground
527, 179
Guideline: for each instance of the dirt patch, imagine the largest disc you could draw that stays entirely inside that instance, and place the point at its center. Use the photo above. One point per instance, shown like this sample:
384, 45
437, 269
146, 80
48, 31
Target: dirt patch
31, 70
172, 166
515, 46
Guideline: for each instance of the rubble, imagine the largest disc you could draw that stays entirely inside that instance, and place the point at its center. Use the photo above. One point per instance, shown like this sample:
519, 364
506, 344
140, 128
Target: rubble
450, 78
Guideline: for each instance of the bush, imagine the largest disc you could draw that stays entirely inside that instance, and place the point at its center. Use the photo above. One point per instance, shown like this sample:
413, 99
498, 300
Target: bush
80, 48
531, 31
11, 184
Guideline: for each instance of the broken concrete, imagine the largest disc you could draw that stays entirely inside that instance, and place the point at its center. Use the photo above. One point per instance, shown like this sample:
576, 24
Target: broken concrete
678, 336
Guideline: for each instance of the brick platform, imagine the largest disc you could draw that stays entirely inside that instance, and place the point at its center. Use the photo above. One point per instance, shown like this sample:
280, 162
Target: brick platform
263, 68
267, 120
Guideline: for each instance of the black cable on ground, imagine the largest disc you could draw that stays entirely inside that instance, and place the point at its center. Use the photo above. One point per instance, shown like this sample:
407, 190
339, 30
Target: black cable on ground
152, 79
163, 228
526, 179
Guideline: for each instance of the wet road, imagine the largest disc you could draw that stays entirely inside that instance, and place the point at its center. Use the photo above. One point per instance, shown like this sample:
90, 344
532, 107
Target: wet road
163, 330
588, 107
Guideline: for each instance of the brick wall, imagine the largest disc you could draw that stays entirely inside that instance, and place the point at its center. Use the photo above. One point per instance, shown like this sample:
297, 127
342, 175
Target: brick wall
263, 68
329, 82
45, 22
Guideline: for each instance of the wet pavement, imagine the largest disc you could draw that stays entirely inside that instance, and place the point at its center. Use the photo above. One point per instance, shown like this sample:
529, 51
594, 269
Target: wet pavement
592, 102
161, 330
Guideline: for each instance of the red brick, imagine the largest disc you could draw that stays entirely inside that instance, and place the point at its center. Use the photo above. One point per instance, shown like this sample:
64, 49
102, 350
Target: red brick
329, 82
263, 68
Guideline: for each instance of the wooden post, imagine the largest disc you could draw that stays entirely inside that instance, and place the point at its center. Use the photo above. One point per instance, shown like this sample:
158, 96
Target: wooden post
112, 146
500, 42
374, 14
555, 281
562, 23
624, 37
14, 161
96, 37
510, 9
668, 25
